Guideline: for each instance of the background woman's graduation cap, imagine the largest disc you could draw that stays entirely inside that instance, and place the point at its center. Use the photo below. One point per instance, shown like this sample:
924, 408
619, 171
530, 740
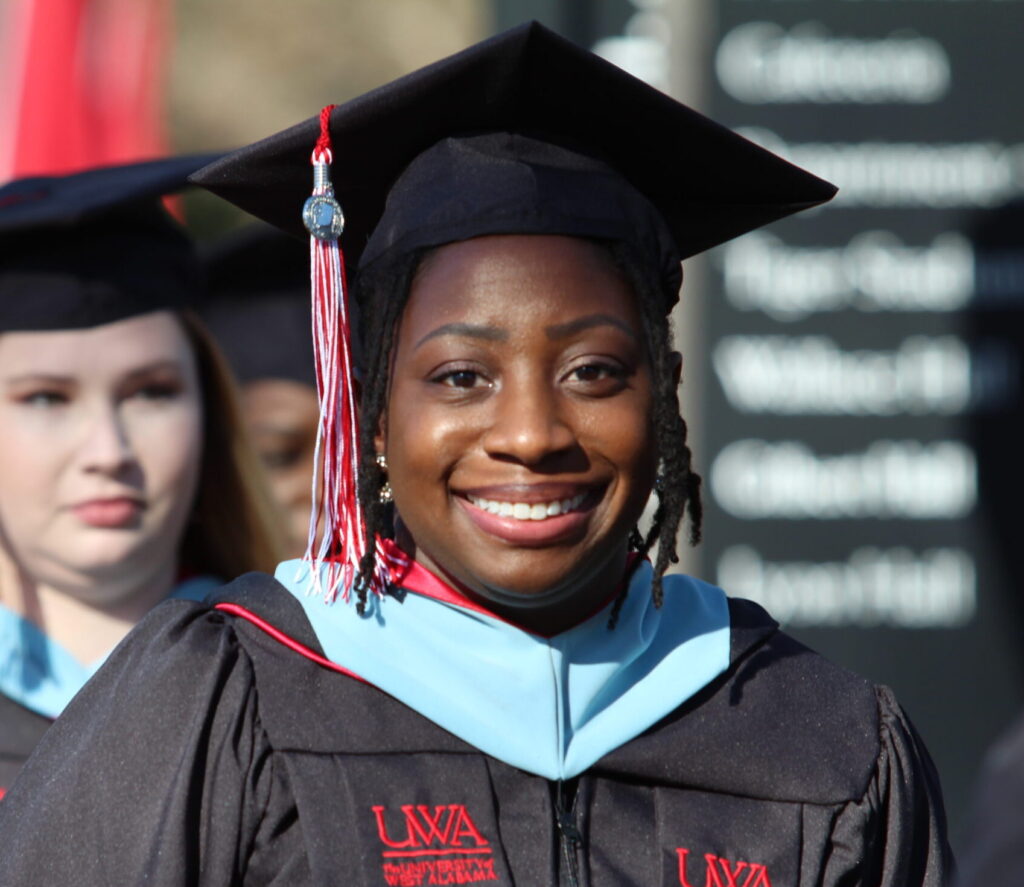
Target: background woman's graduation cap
86, 249
257, 305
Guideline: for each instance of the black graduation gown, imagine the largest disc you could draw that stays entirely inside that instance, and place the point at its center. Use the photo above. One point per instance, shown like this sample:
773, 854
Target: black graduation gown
209, 752
20, 730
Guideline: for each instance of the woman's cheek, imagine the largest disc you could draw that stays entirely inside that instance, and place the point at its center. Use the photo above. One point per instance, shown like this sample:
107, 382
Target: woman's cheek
31, 450
167, 443
32, 466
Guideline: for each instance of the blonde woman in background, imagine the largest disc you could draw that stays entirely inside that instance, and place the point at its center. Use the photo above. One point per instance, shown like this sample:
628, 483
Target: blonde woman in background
125, 476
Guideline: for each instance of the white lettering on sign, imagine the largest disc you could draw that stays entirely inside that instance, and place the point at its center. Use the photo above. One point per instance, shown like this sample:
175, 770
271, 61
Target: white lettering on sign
875, 271
810, 375
896, 174
760, 62
875, 587
756, 479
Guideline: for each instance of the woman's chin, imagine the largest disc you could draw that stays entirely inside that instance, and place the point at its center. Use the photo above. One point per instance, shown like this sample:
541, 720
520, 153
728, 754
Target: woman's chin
109, 563
536, 578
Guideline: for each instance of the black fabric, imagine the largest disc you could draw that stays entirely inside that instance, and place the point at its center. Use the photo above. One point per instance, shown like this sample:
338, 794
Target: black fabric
707, 183
65, 202
500, 183
994, 846
257, 304
86, 249
20, 730
206, 752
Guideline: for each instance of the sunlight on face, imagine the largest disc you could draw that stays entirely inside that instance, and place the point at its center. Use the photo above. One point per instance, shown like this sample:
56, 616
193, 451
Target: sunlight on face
100, 451
518, 436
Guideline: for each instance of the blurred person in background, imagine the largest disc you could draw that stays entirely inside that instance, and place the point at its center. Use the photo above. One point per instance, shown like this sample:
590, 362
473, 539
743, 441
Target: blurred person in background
258, 311
125, 476
481, 677
994, 847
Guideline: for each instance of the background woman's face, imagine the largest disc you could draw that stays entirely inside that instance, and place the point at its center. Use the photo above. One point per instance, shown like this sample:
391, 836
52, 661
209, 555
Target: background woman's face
282, 417
100, 450
518, 431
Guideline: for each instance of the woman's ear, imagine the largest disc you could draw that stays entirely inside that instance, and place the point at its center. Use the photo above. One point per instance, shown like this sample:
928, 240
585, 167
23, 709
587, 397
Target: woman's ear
676, 360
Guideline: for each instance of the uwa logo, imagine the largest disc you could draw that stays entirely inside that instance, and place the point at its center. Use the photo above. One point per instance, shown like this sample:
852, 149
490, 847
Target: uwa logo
442, 827
721, 872
437, 844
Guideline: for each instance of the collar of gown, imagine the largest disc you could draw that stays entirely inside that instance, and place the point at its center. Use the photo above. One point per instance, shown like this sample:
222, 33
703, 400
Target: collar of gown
40, 674
551, 706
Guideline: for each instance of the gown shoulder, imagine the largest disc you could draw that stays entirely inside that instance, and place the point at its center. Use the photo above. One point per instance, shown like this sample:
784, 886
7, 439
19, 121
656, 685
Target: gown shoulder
163, 748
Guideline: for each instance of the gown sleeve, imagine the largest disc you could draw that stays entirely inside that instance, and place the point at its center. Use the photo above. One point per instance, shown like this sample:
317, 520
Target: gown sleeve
157, 773
895, 835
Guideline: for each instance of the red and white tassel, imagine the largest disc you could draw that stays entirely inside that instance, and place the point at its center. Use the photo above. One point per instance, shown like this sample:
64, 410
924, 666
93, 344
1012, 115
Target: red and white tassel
337, 517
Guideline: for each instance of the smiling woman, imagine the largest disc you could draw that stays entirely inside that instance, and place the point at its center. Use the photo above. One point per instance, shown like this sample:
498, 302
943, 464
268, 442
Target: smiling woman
119, 458
479, 676
518, 432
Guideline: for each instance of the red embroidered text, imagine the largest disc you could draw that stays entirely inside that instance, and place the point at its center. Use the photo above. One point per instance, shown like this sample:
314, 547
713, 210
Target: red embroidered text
437, 844
721, 872
439, 871
444, 825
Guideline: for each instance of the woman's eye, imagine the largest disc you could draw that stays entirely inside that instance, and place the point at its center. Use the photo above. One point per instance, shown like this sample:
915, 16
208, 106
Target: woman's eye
44, 399
280, 460
595, 372
156, 391
460, 379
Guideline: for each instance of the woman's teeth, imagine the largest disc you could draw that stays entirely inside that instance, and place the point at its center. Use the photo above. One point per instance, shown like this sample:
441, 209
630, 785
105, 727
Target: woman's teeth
528, 510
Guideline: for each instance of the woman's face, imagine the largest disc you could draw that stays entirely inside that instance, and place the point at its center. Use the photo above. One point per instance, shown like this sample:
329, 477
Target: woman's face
100, 451
282, 417
518, 431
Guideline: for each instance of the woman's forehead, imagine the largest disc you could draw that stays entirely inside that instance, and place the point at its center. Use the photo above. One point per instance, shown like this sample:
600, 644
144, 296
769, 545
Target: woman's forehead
513, 279
121, 346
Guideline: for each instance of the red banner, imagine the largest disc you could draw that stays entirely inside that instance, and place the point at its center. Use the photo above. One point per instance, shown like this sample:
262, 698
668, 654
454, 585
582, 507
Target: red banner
81, 83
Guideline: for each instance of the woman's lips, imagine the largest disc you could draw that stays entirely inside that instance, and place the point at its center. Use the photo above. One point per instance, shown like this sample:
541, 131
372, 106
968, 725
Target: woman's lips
533, 522
108, 513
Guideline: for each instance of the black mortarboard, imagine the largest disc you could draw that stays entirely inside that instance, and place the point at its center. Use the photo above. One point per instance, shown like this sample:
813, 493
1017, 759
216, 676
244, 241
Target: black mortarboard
86, 249
257, 304
600, 148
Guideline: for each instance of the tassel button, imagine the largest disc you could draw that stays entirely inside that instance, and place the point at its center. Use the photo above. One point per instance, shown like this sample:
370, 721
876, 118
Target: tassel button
322, 216
321, 213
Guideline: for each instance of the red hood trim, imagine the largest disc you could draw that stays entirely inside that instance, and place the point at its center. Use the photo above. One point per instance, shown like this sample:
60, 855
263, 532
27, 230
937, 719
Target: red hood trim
282, 638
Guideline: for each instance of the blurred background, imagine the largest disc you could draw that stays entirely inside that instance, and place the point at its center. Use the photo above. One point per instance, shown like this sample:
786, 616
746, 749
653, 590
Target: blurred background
852, 375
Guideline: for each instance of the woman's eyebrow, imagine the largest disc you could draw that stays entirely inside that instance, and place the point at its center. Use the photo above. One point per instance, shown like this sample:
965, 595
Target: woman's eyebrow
561, 330
491, 333
32, 378
58, 379
154, 367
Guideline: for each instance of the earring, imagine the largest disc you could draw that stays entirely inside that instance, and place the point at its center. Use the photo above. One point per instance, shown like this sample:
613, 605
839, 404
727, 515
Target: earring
385, 495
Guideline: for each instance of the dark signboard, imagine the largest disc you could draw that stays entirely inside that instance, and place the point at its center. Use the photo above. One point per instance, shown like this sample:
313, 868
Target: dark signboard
861, 435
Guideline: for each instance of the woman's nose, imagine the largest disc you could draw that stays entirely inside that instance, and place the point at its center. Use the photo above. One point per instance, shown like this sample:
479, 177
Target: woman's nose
105, 446
528, 425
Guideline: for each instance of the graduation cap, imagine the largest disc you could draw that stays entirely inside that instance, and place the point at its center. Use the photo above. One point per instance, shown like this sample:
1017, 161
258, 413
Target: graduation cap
257, 303
590, 128
524, 133
82, 250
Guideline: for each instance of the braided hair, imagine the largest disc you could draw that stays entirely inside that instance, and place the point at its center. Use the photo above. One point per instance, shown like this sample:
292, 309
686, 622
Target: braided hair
381, 294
